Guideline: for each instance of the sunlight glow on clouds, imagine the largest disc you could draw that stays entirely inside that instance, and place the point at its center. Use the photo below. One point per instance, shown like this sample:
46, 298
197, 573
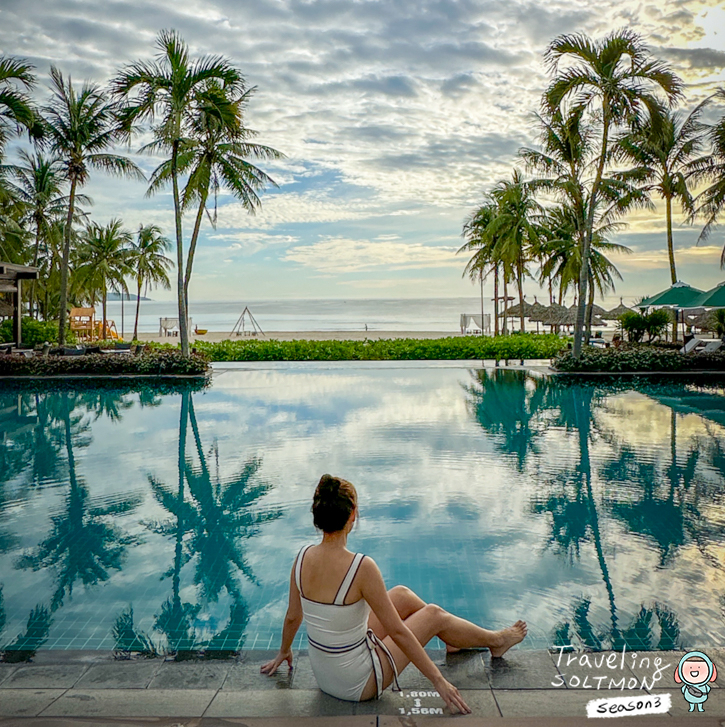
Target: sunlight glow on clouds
394, 117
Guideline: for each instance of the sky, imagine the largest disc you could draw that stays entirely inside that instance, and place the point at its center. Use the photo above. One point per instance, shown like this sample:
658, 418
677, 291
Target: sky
394, 117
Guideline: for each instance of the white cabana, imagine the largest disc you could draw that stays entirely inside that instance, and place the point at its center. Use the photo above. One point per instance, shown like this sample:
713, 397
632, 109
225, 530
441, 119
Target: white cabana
473, 320
170, 326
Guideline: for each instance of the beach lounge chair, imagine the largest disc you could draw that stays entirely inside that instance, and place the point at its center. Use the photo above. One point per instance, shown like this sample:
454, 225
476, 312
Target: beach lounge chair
690, 346
82, 322
712, 346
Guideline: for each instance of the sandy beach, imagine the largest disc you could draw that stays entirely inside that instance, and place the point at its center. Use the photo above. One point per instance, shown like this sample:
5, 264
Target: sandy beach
306, 335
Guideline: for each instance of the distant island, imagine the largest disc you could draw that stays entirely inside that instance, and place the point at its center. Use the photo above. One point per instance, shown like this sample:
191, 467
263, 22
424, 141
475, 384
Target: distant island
126, 296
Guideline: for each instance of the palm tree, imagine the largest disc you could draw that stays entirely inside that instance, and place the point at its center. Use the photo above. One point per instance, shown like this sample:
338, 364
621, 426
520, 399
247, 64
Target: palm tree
104, 260
216, 154
82, 545
514, 228
38, 183
79, 128
711, 168
662, 153
171, 90
614, 78
149, 263
483, 248
16, 108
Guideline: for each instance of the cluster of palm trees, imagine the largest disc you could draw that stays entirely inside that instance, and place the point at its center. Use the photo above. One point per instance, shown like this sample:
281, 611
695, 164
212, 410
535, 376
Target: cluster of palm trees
610, 104
194, 110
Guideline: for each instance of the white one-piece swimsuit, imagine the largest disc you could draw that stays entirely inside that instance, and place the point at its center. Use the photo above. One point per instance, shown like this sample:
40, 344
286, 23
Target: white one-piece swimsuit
342, 647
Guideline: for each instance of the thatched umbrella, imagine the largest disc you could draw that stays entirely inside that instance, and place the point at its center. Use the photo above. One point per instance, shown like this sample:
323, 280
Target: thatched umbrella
535, 311
613, 315
515, 310
6, 310
552, 315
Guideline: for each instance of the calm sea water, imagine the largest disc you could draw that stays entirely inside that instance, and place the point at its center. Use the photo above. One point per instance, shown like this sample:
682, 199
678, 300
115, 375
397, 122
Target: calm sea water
170, 518
436, 314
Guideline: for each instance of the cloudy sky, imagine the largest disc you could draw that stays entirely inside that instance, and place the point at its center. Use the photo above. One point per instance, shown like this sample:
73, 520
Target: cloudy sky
395, 117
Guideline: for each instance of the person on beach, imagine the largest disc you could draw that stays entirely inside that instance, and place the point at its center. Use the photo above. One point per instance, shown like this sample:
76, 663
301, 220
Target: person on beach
353, 653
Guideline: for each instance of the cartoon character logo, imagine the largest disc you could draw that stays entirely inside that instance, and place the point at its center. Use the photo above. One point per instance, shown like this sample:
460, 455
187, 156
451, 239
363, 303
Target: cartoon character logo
695, 672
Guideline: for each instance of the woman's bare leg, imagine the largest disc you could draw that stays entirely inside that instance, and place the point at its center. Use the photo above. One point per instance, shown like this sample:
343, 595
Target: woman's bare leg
432, 620
406, 603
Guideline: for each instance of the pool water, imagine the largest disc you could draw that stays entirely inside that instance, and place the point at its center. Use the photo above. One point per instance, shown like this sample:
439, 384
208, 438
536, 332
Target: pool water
168, 519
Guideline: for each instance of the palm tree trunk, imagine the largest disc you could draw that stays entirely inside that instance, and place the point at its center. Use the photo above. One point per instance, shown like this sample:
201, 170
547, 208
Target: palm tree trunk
31, 303
63, 313
590, 309
495, 299
181, 526
588, 234
183, 316
670, 241
505, 302
104, 295
480, 275
192, 246
520, 276
138, 307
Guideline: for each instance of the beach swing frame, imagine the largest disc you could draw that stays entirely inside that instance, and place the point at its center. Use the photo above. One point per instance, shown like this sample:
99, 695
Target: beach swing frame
240, 326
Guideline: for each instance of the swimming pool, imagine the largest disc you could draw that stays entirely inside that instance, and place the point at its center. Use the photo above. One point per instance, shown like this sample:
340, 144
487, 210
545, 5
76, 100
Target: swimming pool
169, 518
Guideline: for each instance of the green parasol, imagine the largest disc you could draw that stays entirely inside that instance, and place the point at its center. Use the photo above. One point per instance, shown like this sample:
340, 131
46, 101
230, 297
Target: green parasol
678, 295
714, 298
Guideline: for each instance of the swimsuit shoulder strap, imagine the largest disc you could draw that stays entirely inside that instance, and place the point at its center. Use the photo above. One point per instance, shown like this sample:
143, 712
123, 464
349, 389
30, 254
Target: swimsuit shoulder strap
348, 579
298, 566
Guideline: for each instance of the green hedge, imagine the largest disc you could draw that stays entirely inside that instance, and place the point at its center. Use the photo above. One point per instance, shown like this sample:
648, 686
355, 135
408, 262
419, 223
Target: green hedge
156, 363
459, 347
638, 358
34, 332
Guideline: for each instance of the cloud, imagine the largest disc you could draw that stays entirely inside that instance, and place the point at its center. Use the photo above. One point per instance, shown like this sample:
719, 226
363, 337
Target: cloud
341, 255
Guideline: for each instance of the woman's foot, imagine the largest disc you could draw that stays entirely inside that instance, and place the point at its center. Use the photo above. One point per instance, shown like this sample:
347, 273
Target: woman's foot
509, 637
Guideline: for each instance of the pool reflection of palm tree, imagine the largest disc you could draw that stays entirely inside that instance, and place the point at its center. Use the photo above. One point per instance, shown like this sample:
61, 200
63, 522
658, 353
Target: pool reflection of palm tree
507, 404
35, 635
216, 517
82, 545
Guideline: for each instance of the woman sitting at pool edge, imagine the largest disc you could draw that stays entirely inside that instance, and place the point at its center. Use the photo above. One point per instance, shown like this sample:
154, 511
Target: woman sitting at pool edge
356, 654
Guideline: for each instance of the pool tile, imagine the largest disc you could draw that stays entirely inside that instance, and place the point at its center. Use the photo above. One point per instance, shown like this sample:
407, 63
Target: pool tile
26, 702
535, 702
136, 703
120, 675
299, 702
197, 675
44, 677
246, 675
520, 669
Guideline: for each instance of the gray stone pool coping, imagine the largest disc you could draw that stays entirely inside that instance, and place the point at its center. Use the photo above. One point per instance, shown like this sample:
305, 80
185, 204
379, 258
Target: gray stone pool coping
524, 688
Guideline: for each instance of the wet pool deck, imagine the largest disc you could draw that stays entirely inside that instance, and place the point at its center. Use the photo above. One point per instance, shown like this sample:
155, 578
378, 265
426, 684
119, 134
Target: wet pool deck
64, 688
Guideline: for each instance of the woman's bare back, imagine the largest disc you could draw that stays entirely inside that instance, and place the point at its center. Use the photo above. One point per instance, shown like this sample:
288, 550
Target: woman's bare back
322, 573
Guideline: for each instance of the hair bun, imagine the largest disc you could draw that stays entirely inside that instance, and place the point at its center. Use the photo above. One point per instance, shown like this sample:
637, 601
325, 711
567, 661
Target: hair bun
329, 486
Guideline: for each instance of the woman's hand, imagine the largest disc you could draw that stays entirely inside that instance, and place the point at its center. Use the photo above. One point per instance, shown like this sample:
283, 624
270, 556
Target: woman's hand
451, 696
271, 666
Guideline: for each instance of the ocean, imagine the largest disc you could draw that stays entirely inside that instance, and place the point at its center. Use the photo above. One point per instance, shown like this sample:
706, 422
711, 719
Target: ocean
429, 314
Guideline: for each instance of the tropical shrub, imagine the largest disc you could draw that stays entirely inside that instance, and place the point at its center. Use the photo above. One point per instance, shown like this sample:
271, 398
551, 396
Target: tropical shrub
641, 358
656, 323
635, 325
34, 332
460, 347
719, 316
161, 363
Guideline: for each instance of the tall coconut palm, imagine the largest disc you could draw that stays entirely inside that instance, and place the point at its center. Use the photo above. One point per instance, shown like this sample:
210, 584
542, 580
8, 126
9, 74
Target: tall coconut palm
149, 264
38, 181
613, 78
216, 154
79, 129
16, 108
515, 228
711, 168
170, 91
483, 261
104, 261
662, 153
